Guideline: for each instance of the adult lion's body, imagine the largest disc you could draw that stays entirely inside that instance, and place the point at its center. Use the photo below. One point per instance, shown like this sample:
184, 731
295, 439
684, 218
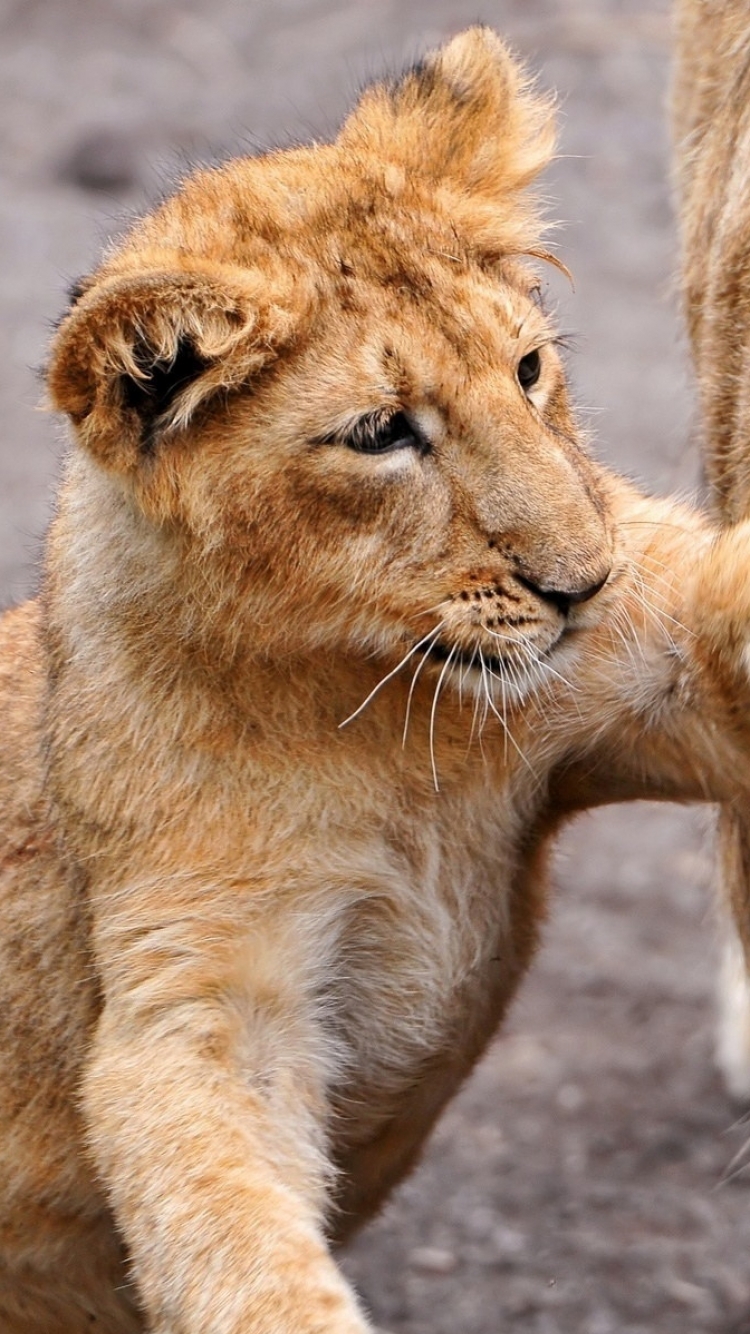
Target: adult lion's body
712, 135
325, 459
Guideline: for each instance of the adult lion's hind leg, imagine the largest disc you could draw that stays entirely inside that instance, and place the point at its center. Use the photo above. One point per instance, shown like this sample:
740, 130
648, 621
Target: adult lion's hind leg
733, 990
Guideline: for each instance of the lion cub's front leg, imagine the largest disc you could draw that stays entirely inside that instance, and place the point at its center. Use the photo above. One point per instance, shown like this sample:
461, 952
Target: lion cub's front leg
205, 1118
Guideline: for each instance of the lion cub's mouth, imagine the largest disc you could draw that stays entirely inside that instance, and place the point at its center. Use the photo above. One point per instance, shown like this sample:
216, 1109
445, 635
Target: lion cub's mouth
479, 660
523, 668
468, 660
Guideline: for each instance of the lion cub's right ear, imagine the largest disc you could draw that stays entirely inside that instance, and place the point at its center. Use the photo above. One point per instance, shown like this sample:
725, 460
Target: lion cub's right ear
467, 119
140, 352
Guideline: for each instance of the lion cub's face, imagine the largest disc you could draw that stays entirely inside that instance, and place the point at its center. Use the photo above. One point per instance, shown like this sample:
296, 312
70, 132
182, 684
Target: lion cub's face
327, 376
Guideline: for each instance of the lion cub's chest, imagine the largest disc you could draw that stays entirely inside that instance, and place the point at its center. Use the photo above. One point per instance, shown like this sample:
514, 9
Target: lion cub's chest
424, 955
393, 952
424, 963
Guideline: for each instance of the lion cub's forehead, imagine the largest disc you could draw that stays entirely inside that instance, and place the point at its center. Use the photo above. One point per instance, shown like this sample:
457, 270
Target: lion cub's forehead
342, 230
431, 170
314, 207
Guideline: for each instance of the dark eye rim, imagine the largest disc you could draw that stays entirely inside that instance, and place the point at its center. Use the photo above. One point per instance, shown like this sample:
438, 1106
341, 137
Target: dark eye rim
529, 369
380, 433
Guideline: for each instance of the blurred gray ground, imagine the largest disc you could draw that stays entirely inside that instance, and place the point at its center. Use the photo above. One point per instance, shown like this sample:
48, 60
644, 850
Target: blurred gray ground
577, 1185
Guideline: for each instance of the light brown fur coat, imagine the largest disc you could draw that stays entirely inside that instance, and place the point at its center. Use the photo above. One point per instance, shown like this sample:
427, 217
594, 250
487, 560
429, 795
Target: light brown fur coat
248, 953
712, 138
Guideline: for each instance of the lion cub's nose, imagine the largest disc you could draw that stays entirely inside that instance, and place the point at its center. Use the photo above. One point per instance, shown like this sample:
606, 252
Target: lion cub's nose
564, 598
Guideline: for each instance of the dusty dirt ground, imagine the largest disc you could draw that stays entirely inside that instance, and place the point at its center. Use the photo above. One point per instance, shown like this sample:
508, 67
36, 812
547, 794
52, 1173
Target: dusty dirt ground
581, 1183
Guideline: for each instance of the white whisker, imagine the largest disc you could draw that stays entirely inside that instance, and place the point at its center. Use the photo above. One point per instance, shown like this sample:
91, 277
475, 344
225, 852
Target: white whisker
464, 670
433, 711
503, 721
486, 697
537, 660
384, 681
430, 611
475, 710
414, 679
503, 679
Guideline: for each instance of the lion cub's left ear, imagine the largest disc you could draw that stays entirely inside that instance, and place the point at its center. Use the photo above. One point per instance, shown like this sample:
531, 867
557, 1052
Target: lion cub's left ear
141, 352
466, 117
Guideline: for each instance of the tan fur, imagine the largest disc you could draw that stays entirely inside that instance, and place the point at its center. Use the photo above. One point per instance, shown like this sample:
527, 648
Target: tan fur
712, 134
249, 952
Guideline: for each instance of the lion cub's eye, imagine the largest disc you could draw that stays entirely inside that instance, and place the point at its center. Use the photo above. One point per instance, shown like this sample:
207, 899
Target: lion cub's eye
382, 434
529, 369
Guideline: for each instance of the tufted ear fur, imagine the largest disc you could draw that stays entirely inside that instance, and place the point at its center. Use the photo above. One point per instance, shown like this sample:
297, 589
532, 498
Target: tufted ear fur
140, 352
465, 117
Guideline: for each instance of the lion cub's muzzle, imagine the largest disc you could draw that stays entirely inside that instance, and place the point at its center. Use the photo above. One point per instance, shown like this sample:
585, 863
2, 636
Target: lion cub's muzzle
502, 625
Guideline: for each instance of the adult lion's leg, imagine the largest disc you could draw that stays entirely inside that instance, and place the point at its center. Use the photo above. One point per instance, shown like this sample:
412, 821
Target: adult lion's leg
712, 140
661, 674
733, 990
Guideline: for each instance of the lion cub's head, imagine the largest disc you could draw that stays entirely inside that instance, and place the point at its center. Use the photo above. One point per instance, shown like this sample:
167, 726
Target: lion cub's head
324, 379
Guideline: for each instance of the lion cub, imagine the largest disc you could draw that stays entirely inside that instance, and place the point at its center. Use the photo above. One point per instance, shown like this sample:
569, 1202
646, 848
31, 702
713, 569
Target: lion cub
339, 622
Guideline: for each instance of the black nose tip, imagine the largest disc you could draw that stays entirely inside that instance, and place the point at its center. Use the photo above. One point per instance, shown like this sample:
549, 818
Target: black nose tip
564, 598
